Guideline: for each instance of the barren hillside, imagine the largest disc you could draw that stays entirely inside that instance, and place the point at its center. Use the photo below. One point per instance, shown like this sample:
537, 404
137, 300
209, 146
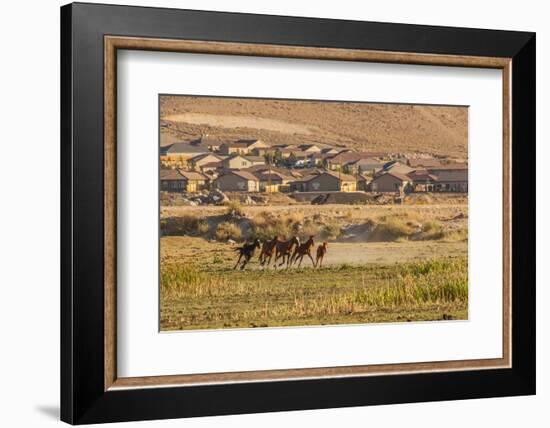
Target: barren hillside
370, 127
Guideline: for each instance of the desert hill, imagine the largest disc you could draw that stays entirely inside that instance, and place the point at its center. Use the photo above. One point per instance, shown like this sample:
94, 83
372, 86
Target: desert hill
439, 130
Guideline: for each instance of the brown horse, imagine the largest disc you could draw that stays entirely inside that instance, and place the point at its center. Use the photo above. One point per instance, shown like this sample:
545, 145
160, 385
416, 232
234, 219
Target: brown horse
283, 249
246, 251
321, 251
268, 247
301, 250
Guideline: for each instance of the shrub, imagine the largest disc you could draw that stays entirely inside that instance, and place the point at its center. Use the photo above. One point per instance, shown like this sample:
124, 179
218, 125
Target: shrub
228, 230
185, 225
235, 209
391, 229
266, 225
456, 235
432, 229
331, 231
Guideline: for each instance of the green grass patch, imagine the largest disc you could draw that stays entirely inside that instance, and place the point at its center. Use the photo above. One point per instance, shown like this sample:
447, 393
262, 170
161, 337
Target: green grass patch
217, 297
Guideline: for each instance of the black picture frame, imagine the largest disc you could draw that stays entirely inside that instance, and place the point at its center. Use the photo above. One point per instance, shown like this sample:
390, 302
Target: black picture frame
83, 398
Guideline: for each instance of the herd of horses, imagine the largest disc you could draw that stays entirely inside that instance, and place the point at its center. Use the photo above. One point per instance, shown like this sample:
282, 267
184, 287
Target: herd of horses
285, 252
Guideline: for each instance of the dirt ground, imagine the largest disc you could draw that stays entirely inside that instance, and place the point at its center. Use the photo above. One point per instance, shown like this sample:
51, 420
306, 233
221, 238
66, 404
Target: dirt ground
184, 248
385, 252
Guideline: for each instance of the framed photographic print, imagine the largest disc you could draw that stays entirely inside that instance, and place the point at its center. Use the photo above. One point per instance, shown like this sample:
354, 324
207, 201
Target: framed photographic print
266, 213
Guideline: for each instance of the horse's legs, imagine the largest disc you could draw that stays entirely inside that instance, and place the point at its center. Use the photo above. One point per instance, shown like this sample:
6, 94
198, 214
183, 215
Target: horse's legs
288, 257
277, 255
311, 258
246, 260
301, 258
321, 264
237, 264
291, 259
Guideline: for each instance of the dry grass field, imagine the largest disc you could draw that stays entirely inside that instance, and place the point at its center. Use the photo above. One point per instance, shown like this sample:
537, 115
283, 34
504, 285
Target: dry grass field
384, 263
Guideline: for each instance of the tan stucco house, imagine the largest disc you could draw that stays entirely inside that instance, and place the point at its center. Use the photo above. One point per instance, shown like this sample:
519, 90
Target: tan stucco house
390, 182
174, 180
451, 178
237, 181
177, 155
236, 161
327, 181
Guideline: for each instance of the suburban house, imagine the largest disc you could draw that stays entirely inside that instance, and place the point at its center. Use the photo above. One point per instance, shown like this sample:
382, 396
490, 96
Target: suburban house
176, 155
240, 147
327, 181
329, 151
172, 180
211, 168
274, 175
271, 181
251, 165
299, 159
285, 152
236, 161
338, 161
210, 143
365, 165
318, 158
391, 182
195, 180
423, 163
423, 181
309, 148
256, 160
237, 181
362, 183
451, 178
256, 147
199, 161
395, 167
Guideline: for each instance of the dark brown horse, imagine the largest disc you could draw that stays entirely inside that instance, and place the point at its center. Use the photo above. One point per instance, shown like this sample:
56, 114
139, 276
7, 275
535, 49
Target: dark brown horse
283, 249
302, 250
246, 251
268, 248
321, 251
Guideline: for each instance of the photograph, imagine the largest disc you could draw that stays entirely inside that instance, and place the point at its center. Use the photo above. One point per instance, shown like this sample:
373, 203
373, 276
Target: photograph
266, 216
281, 212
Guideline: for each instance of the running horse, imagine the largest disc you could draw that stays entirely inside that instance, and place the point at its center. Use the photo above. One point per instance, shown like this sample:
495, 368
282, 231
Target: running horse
268, 248
283, 249
302, 250
321, 251
246, 251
